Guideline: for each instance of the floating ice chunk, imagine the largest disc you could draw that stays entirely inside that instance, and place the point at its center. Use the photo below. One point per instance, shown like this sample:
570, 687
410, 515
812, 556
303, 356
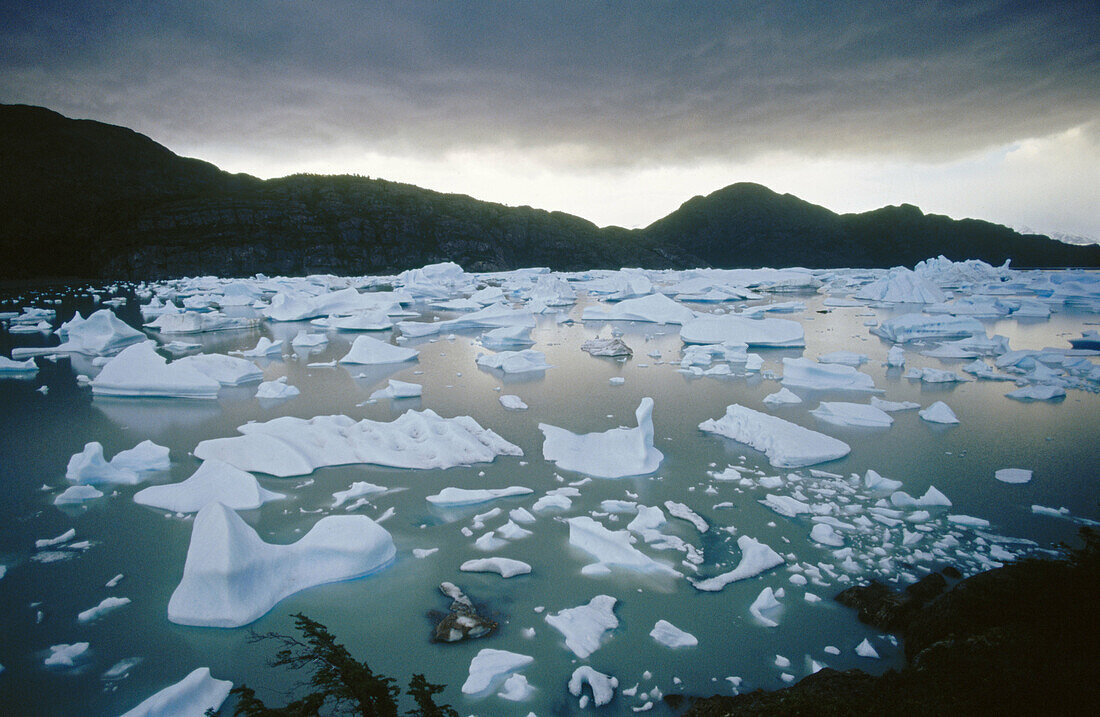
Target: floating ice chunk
359, 321
231, 577
264, 348
276, 390
145, 456
826, 535
583, 626
932, 498
77, 494
101, 334
90, 467
105, 606
655, 308
1062, 512
506, 567
873, 481
893, 406
679, 510
938, 412
616, 453
865, 649
852, 414
847, 358
933, 375
669, 635
370, 351
226, 370
521, 515
424, 552
741, 330
786, 444
66, 655
398, 389
493, 316
785, 505
20, 369
616, 380
140, 371
516, 689
511, 531
969, 521
804, 373
512, 402
449, 497
1013, 475
507, 337
765, 608
213, 481
895, 357
603, 686
612, 547
783, 396
523, 361
195, 322
756, 558
305, 340
50, 542
490, 666
901, 286
289, 446
1047, 392
922, 327
607, 347
193, 695
355, 490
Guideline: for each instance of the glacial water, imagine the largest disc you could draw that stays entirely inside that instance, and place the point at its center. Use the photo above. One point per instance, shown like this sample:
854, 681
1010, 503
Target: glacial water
384, 617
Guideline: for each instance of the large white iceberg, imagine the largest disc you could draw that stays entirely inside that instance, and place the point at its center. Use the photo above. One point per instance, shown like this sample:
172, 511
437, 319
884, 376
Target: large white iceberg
101, 334
193, 695
806, 373
140, 371
213, 481
735, 329
654, 308
786, 444
615, 453
922, 327
226, 370
852, 414
367, 350
901, 286
289, 446
232, 577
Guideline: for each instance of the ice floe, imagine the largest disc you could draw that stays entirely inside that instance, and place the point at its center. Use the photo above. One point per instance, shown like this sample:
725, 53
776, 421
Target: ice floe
654, 308
370, 351
226, 370
489, 667
584, 626
1013, 475
938, 412
785, 444
139, 370
806, 373
603, 686
193, 695
232, 577
398, 389
756, 558
669, 635
741, 330
450, 497
616, 453
922, 327
276, 390
765, 608
852, 414
523, 361
213, 481
505, 567
611, 548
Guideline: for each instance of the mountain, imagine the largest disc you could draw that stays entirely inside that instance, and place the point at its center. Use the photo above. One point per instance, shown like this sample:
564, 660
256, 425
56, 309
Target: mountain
80, 198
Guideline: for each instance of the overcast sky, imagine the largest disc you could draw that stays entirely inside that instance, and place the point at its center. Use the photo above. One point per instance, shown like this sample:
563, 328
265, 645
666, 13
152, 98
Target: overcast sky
615, 111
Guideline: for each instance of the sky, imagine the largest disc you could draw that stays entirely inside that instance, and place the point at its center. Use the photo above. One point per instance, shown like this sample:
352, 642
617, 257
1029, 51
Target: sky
615, 111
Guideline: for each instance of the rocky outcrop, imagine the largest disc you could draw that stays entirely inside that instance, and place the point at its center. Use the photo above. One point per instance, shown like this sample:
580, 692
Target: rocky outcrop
85, 199
462, 621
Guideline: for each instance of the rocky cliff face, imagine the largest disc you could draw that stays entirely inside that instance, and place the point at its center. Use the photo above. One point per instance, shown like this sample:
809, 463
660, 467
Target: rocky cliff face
85, 199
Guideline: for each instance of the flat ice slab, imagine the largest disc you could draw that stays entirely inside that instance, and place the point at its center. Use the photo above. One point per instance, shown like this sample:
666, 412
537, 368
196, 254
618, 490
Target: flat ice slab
612, 547
654, 308
471, 496
669, 635
226, 370
140, 371
1013, 475
370, 351
787, 445
523, 361
489, 667
289, 446
756, 558
741, 330
193, 695
232, 577
583, 626
616, 453
922, 327
213, 481
505, 567
806, 373
852, 414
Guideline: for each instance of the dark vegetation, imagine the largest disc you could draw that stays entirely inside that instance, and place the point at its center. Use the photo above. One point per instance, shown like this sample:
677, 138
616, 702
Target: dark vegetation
1023, 639
340, 684
84, 199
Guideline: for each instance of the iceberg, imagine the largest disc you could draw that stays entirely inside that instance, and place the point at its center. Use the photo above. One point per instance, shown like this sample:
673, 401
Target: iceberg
18, 369
734, 329
101, 334
193, 695
398, 389
654, 308
77, 494
488, 668
765, 607
782, 397
139, 370
901, 286
515, 361
226, 370
1037, 393
232, 577
806, 373
65, 654
893, 406
506, 567
507, 337
362, 321
370, 351
852, 414
938, 412
105, 606
355, 490
612, 547
669, 635
847, 358
276, 390
198, 322
865, 649
616, 453
921, 327
513, 402
452, 497
289, 446
89, 467
786, 444
756, 558
603, 686
583, 626
264, 348
1013, 475
492, 316
214, 481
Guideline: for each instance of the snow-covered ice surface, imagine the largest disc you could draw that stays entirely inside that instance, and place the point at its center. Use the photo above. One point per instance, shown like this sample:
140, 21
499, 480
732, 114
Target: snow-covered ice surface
701, 532
194, 694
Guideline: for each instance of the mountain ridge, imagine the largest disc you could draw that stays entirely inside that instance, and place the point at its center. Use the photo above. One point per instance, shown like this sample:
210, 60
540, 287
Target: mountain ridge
86, 199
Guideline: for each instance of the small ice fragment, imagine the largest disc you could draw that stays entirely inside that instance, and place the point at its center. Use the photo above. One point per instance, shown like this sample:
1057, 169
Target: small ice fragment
938, 412
512, 402
1013, 475
603, 686
669, 635
506, 567
65, 655
865, 649
105, 606
583, 626
489, 666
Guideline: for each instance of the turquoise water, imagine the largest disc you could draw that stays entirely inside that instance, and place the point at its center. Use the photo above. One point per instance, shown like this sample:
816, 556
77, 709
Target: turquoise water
384, 617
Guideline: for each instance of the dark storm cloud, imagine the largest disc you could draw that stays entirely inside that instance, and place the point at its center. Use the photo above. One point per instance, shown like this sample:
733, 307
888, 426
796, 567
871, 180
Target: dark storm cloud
620, 83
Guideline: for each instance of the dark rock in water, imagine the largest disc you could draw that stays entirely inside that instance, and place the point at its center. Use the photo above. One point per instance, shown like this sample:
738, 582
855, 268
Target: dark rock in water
607, 347
952, 572
463, 622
